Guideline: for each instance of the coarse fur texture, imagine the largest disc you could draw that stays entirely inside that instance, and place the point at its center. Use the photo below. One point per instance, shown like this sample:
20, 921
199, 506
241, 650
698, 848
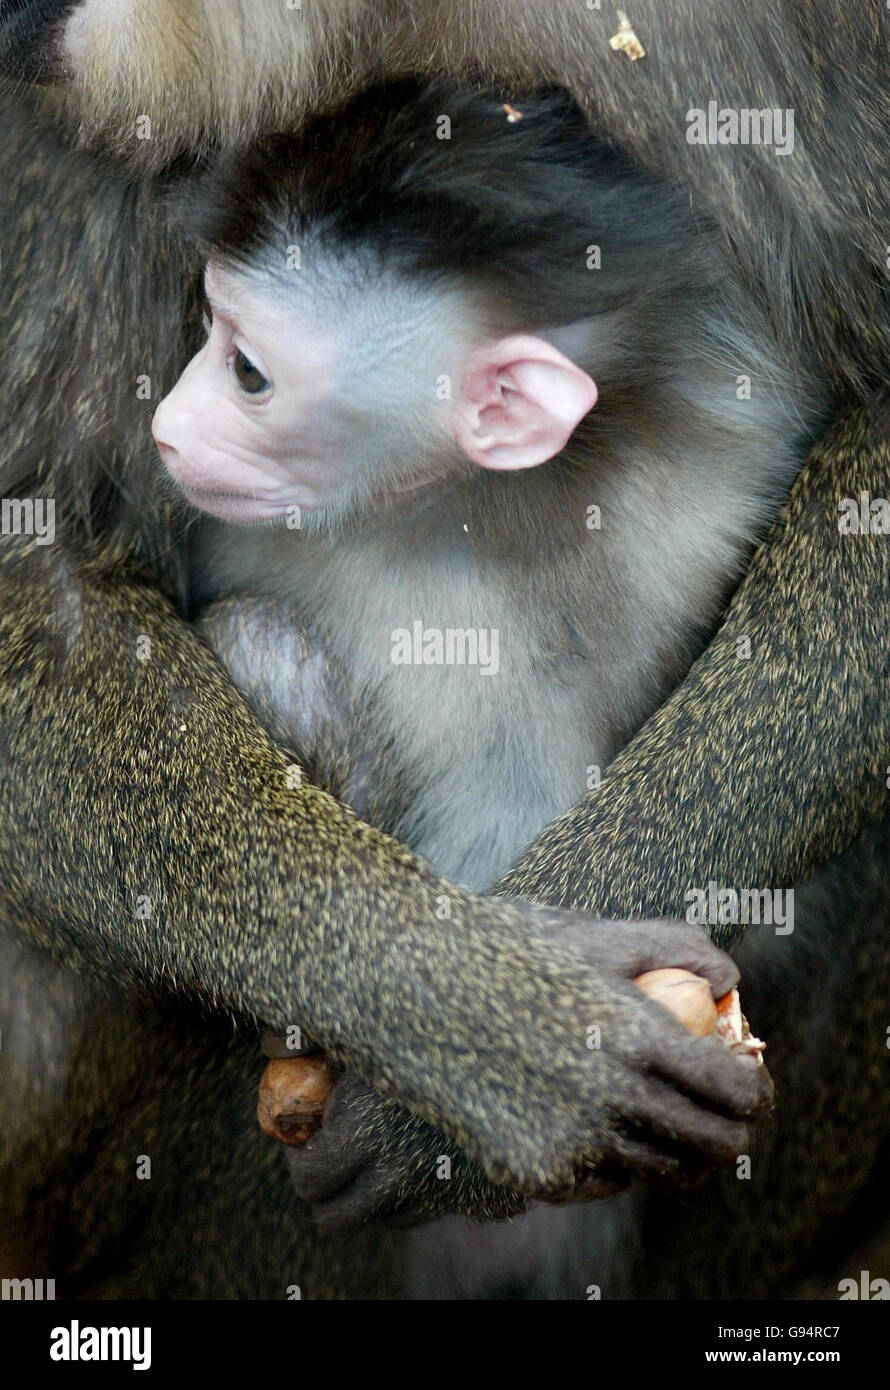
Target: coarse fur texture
808, 233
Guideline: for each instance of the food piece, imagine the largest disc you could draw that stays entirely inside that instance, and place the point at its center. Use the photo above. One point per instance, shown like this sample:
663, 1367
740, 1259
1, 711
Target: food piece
293, 1094
729, 1017
626, 41
732, 1027
688, 997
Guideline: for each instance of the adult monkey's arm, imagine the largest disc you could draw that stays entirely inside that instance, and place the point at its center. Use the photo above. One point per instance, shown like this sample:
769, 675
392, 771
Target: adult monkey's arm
746, 775
776, 747
710, 777
150, 831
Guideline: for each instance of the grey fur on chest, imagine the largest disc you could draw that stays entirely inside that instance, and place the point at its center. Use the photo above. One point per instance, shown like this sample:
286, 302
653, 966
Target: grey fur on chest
593, 627
490, 707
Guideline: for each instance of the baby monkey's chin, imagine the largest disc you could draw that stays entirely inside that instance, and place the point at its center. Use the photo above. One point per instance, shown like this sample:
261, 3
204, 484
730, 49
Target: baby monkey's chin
241, 508
304, 506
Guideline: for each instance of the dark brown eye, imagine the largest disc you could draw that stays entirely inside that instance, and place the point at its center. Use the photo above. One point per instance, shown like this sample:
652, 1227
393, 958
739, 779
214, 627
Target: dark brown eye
249, 378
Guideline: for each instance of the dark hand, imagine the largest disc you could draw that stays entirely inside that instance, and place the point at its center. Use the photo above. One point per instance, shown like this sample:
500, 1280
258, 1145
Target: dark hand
680, 1105
372, 1160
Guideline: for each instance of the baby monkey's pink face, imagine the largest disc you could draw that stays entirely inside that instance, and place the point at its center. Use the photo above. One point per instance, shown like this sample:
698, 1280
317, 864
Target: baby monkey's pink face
248, 429
337, 406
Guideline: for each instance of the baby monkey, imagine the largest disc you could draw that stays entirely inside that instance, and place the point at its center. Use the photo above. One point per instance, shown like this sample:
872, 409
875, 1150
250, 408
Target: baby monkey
520, 431
511, 429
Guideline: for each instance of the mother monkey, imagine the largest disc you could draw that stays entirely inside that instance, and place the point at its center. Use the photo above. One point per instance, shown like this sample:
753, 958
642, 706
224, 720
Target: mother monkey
184, 876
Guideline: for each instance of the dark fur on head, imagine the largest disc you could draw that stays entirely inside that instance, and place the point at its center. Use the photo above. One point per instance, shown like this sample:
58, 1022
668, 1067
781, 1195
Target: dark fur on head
511, 207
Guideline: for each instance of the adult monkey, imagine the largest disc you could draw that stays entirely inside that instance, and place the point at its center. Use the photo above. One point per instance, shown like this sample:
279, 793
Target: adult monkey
214, 916
813, 826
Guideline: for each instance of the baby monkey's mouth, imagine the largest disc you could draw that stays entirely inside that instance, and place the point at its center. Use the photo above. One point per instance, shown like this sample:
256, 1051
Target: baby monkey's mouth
224, 493
243, 507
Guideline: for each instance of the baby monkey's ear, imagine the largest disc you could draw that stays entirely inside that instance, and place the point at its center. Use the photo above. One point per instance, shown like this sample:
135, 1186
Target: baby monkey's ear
519, 402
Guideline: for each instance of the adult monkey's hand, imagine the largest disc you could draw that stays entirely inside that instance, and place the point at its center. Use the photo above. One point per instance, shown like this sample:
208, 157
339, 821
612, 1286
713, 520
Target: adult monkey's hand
674, 1106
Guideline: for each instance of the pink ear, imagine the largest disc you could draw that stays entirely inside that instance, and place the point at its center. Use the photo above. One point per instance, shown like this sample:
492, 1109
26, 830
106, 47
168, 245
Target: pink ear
520, 402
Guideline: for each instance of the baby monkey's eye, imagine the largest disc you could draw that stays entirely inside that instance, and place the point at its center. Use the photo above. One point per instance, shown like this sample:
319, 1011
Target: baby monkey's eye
249, 378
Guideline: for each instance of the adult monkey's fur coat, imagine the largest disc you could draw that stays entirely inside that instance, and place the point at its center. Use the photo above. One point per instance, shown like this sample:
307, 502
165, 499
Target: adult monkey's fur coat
726, 788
